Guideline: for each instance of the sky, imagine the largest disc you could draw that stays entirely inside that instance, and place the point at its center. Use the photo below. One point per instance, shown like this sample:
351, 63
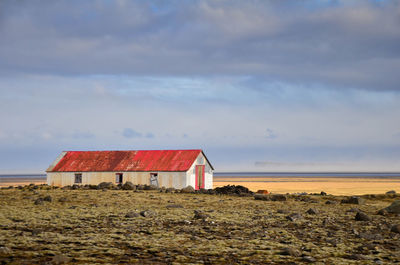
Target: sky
258, 85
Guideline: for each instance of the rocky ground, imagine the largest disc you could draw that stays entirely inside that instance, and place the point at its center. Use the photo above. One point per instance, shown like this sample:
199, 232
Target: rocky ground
42, 225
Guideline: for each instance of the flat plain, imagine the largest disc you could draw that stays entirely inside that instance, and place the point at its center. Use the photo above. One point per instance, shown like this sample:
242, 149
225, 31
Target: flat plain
42, 225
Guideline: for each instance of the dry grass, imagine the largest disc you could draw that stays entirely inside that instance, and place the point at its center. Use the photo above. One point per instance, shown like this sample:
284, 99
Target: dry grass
91, 227
336, 186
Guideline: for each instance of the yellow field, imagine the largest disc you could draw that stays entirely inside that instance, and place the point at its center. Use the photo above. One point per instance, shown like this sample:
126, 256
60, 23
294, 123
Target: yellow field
335, 186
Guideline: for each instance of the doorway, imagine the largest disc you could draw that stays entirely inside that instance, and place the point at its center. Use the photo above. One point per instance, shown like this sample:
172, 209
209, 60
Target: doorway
119, 178
200, 177
154, 179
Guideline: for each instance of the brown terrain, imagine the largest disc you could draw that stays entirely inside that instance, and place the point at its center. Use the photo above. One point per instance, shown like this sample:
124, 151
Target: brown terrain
140, 224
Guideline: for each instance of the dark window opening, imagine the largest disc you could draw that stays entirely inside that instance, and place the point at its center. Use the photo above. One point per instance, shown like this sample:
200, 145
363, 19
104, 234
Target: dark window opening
154, 179
78, 178
119, 178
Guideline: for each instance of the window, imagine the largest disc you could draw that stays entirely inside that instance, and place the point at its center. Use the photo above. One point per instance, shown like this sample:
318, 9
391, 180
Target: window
154, 179
119, 178
78, 178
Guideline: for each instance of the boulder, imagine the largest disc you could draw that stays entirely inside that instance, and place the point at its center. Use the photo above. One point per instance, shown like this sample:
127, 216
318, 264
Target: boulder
354, 200
147, 213
290, 252
132, 215
105, 185
150, 187
128, 186
360, 216
323, 193
48, 198
188, 189
170, 190
312, 211
262, 197
39, 201
395, 229
63, 199
200, 215
170, 206
382, 212
238, 190
394, 207
278, 197
294, 216
5, 251
391, 192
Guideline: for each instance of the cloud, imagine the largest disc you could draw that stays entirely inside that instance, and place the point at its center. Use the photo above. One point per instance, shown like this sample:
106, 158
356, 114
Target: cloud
149, 135
130, 133
270, 134
346, 44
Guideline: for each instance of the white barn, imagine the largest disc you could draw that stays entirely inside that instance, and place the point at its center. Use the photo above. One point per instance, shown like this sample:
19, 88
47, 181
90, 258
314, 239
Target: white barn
168, 168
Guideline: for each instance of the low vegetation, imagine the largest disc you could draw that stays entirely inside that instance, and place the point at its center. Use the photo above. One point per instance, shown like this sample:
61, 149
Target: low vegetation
41, 224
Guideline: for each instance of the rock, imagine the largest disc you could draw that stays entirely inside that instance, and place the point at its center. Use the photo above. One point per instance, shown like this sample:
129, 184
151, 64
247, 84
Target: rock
188, 189
200, 215
63, 199
147, 213
170, 190
353, 210
282, 211
262, 197
355, 257
105, 185
290, 252
382, 212
395, 229
5, 251
264, 192
48, 198
38, 201
234, 190
308, 259
128, 186
140, 187
312, 211
60, 259
369, 236
36, 232
353, 200
150, 187
294, 216
132, 215
391, 192
394, 207
323, 193
169, 206
360, 216
278, 197
330, 202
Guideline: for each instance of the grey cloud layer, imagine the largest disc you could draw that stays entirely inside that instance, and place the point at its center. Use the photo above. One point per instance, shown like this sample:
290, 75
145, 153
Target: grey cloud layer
341, 44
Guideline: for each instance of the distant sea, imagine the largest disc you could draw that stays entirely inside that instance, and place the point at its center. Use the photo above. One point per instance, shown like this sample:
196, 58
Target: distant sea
233, 175
222, 176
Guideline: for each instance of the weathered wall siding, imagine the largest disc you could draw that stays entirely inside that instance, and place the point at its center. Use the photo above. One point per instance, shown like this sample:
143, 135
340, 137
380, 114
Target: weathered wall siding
208, 176
166, 179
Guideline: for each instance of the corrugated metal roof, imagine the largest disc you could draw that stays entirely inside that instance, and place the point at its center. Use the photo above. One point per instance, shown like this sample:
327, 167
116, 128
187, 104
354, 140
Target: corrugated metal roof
141, 160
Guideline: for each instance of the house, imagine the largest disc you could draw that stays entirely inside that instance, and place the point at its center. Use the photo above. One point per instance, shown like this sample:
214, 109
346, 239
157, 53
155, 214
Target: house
168, 168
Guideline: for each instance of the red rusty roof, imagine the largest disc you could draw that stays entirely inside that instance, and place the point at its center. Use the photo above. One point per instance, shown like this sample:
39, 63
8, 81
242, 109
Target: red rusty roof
142, 160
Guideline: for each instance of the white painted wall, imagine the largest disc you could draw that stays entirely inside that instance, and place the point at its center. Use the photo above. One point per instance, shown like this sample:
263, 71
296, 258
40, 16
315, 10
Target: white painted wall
208, 176
167, 179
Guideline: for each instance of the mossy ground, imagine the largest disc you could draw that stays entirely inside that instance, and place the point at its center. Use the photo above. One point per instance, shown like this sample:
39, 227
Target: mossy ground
91, 227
